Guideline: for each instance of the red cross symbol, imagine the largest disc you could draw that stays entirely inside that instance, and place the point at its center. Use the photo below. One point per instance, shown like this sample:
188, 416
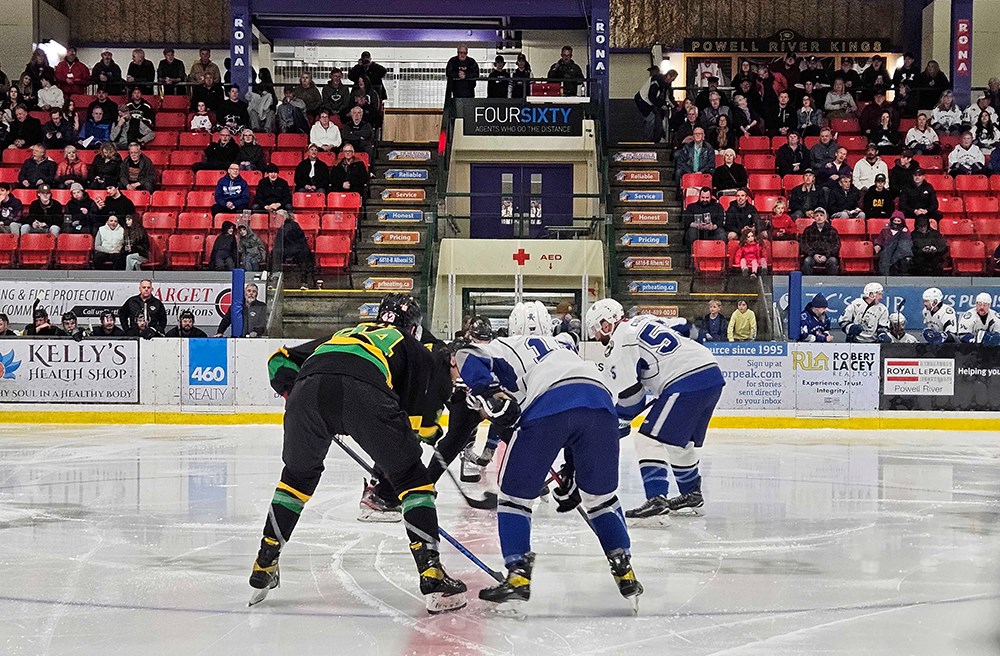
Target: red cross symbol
521, 257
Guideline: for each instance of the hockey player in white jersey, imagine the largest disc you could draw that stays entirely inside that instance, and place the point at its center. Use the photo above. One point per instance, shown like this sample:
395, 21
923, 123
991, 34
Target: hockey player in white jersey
980, 325
897, 330
646, 357
940, 320
558, 401
866, 320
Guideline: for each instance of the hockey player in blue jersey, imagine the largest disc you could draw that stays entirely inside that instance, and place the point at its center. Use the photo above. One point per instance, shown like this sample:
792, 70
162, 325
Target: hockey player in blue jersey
646, 357
815, 324
557, 401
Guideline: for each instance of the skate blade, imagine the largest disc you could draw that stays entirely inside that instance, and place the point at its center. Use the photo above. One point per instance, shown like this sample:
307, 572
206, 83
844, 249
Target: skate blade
379, 517
656, 521
260, 595
634, 603
513, 609
689, 512
438, 602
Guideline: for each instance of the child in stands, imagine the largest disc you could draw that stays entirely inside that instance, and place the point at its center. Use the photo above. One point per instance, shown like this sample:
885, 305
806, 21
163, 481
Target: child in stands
750, 254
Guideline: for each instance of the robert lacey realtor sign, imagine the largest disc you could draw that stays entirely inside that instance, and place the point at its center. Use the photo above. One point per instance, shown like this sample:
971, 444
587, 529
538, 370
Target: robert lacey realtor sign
66, 371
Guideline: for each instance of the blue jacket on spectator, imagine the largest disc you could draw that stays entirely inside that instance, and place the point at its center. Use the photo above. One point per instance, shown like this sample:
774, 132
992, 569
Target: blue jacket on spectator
235, 191
99, 131
712, 330
815, 328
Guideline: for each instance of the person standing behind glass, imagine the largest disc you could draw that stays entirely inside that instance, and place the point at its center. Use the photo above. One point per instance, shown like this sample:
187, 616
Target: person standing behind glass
462, 72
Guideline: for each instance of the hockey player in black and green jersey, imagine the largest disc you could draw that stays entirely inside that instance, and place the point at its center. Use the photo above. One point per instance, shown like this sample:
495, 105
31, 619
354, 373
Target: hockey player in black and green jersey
365, 382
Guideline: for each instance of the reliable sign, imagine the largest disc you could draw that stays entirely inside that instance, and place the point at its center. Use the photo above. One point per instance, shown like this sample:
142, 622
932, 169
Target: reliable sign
498, 119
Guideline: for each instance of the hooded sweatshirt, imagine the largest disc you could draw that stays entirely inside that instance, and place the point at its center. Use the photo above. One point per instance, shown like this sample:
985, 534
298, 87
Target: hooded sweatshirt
225, 245
232, 191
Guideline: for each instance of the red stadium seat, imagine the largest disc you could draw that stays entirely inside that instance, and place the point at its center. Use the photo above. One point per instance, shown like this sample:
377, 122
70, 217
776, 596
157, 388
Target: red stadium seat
957, 228
139, 197
8, 250
339, 223
9, 175
762, 182
197, 200
296, 142
61, 196
222, 218
875, 226
709, 256
994, 183
175, 103
696, 180
157, 251
184, 251
987, 228
755, 145
856, 256
845, 126
207, 254
759, 163
929, 162
287, 159
159, 222
265, 140
850, 227
791, 181
164, 139
332, 252
942, 182
199, 223
765, 204
972, 184
784, 256
968, 257
168, 200
26, 196
159, 158
853, 143
726, 201
308, 201
36, 250
330, 159
207, 179
343, 200
171, 120
976, 206
16, 156
180, 180
73, 251
951, 206
185, 159
309, 222
802, 224
194, 140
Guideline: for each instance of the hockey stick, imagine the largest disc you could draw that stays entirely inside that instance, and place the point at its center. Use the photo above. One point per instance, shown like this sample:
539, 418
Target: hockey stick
497, 576
583, 513
489, 500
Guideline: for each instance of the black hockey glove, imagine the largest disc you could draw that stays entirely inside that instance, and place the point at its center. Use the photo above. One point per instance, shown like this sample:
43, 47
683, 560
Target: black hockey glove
567, 494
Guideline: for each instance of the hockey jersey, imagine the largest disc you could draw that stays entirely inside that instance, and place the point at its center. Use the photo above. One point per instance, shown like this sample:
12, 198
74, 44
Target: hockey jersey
942, 319
812, 328
873, 319
978, 329
543, 374
905, 338
646, 356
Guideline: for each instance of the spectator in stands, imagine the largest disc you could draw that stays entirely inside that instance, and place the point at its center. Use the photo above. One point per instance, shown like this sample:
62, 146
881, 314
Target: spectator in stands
250, 156
930, 250
748, 90
498, 85
993, 88
805, 198
522, 71
225, 251
114, 201
291, 113
252, 253
143, 304
108, 106
219, 154
567, 69
814, 79
894, 247
11, 212
273, 192
695, 157
871, 116
325, 133
901, 175
829, 175
261, 104
254, 315
307, 92
336, 95
982, 104
57, 133
704, 218
201, 120
741, 214
922, 138
5, 330
25, 131
782, 119
291, 247
137, 171
138, 109
349, 174
808, 118
823, 152
232, 112
714, 326
814, 325
169, 72
789, 67
45, 214
95, 130
843, 200
730, 176
850, 76
107, 327
232, 193
81, 212
750, 254
38, 67
185, 328
746, 71
141, 72
879, 200
743, 323
360, 134
71, 326
966, 158
907, 72
312, 174
142, 328
127, 126
904, 103
885, 136
49, 95
71, 116
768, 86
839, 103
875, 78
369, 70
37, 170
106, 167
929, 85
41, 327
72, 75
462, 72
209, 92
777, 226
108, 245
919, 199
28, 92
107, 73
368, 101
72, 170
136, 244
710, 115
985, 132
947, 116
684, 132
866, 169
203, 67
994, 164
746, 119
12, 98
722, 136
792, 157
820, 246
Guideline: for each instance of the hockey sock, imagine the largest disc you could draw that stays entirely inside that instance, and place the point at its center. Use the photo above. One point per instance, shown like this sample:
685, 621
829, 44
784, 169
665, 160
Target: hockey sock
684, 462
286, 506
514, 526
605, 515
654, 477
420, 516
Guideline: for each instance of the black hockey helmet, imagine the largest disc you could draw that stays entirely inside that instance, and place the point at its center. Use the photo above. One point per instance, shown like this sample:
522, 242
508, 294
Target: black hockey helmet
69, 316
40, 313
400, 310
106, 314
480, 328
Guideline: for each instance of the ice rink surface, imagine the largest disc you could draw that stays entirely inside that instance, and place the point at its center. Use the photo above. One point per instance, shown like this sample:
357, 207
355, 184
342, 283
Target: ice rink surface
139, 540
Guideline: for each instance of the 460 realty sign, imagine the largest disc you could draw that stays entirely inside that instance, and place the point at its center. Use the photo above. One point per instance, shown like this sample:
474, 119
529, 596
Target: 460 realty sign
65, 371
512, 119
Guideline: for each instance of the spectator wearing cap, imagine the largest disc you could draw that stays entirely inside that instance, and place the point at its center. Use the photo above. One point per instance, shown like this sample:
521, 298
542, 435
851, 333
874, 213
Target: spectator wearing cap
169, 72
232, 193
843, 200
81, 212
252, 252
45, 214
792, 157
966, 158
874, 78
273, 192
879, 200
498, 81
922, 138
107, 327
969, 119
72, 75
919, 199
204, 66
37, 170
871, 116
108, 73
567, 69
58, 132
25, 130
109, 109
462, 72
350, 173
867, 168
814, 325
140, 71
901, 176
254, 315
185, 328
115, 202
820, 246
789, 68
325, 133
137, 170
805, 198
907, 72
11, 212
522, 71
371, 71
108, 245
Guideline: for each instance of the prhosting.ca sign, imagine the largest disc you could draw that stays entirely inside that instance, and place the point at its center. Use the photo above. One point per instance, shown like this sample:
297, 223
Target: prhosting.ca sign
514, 119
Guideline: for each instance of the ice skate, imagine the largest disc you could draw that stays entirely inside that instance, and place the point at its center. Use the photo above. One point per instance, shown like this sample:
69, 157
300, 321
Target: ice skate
481, 460
658, 507
628, 584
515, 591
376, 509
442, 593
691, 503
265, 575
471, 472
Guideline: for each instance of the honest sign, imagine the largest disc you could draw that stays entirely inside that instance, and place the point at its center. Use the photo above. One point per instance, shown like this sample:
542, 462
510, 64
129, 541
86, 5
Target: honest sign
516, 120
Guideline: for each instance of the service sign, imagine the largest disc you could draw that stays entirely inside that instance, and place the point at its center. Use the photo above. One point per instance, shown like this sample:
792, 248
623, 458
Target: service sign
400, 216
408, 195
646, 218
388, 284
649, 175
641, 287
650, 239
664, 263
65, 371
407, 174
391, 261
497, 118
409, 156
641, 196
395, 237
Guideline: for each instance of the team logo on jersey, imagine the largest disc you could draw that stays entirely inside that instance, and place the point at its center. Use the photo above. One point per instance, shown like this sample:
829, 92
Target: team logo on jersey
8, 365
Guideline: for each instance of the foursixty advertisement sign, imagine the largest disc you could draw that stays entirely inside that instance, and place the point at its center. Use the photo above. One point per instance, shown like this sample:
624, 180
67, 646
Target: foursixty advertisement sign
64, 371
496, 118
207, 367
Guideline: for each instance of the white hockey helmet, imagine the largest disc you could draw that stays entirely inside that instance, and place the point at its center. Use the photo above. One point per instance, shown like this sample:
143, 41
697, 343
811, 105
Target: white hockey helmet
934, 295
530, 318
607, 309
897, 318
872, 288
984, 297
